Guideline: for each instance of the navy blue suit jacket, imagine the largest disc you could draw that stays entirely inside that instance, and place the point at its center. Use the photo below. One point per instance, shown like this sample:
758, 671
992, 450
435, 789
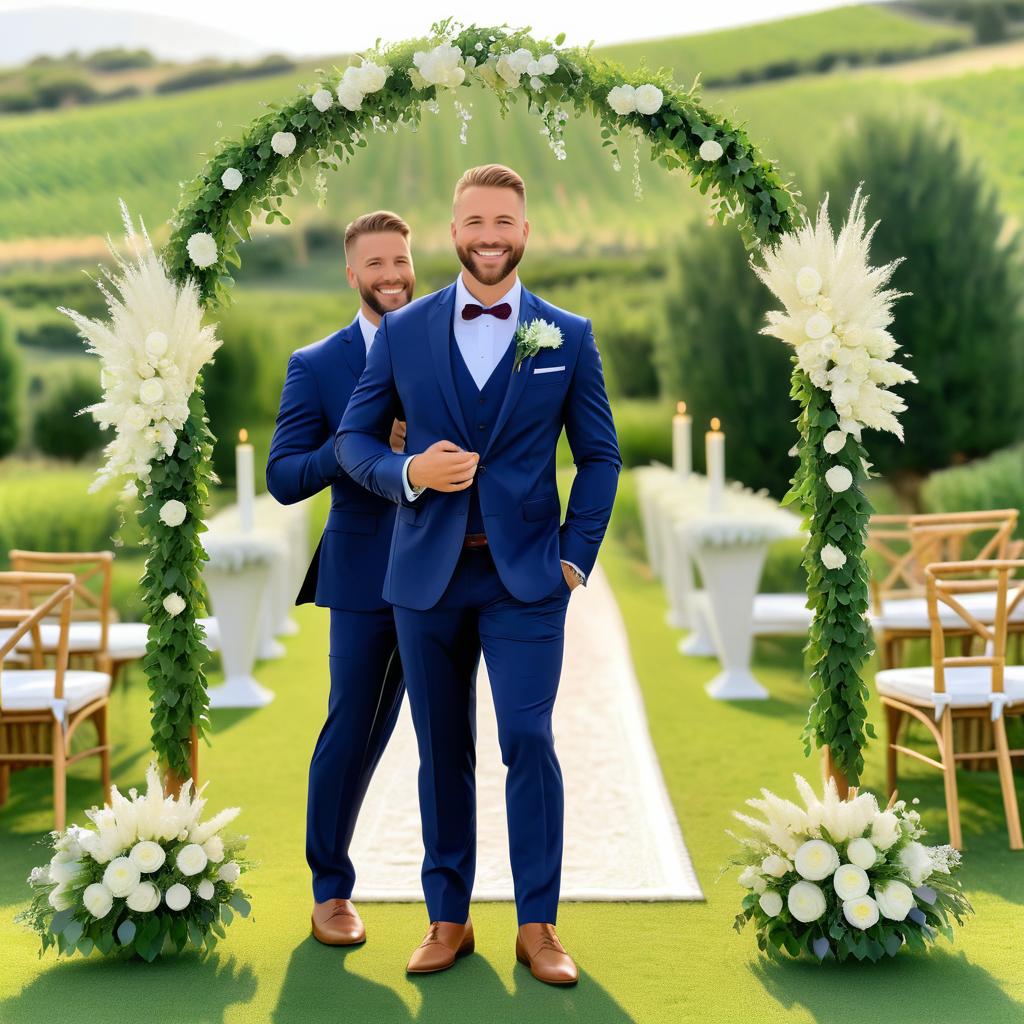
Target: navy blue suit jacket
409, 367
347, 570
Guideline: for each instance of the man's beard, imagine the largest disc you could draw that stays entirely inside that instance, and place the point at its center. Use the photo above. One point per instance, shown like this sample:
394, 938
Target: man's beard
488, 274
369, 296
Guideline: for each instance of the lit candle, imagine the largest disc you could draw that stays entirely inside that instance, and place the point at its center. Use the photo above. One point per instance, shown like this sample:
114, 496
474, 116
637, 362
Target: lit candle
714, 454
245, 481
682, 441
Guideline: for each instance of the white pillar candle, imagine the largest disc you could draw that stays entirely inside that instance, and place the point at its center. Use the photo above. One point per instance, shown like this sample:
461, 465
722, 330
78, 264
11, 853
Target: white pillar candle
714, 452
682, 441
245, 481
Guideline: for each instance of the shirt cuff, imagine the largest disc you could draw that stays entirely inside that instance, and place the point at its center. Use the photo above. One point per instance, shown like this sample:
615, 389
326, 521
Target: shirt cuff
412, 493
583, 575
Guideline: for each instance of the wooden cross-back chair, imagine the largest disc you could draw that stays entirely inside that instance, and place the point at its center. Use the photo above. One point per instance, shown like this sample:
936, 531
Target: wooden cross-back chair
95, 632
40, 707
963, 686
900, 547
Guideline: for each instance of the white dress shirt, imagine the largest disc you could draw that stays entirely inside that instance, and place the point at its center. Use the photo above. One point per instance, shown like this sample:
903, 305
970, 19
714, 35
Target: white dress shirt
368, 329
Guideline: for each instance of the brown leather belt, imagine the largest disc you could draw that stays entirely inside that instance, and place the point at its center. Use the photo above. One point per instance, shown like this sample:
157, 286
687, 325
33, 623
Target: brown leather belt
475, 540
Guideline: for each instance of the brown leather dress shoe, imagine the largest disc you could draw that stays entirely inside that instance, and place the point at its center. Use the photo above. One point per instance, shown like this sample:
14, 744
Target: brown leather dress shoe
445, 942
538, 947
337, 923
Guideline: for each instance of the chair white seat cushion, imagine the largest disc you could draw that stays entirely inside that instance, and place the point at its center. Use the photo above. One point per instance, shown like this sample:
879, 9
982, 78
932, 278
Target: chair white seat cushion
966, 687
781, 615
125, 640
912, 612
32, 689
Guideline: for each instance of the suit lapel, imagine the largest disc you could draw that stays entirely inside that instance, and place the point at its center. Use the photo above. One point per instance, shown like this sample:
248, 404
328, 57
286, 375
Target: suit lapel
354, 347
439, 331
528, 310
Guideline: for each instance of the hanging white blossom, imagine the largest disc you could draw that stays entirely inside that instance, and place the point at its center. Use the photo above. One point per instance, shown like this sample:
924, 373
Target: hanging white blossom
153, 341
836, 316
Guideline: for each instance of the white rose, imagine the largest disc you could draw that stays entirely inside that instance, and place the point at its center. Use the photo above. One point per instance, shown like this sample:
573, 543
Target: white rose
174, 604
850, 882
156, 344
818, 325
283, 143
214, 849
98, 899
710, 150
147, 856
548, 64
350, 96
806, 902
649, 99
322, 99
861, 853
775, 865
533, 68
808, 281
63, 871
191, 859
839, 478
835, 441
205, 890
59, 898
622, 99
832, 557
231, 178
885, 830
145, 899
173, 512
202, 249
370, 77
507, 72
917, 862
816, 859
861, 912
151, 391
229, 872
136, 417
178, 897
121, 876
771, 903
895, 900
521, 59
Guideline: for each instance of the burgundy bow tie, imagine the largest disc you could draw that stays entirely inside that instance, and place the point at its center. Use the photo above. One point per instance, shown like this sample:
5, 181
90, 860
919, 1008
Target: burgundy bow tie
470, 311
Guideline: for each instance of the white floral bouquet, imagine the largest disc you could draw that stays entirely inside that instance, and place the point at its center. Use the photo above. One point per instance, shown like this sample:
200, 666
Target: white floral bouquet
149, 879
844, 878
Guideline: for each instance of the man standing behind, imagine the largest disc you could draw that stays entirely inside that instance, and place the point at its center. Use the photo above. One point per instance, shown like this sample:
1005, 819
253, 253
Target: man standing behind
479, 560
347, 570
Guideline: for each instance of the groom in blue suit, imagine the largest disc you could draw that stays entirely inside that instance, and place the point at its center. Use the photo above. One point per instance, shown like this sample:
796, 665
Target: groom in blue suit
347, 571
479, 560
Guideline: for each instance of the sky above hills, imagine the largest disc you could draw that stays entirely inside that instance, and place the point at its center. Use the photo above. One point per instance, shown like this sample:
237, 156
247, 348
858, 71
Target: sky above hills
188, 29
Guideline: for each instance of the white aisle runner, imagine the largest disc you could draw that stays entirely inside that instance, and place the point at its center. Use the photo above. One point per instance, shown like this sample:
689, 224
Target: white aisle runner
622, 839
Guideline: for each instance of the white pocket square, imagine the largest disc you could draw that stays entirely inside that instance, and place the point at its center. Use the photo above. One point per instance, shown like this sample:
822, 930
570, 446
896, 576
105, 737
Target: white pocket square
548, 369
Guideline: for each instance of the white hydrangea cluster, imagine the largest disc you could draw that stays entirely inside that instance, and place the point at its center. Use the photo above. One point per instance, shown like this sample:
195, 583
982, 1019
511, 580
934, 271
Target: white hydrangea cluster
136, 837
443, 65
359, 81
151, 351
641, 99
831, 850
836, 316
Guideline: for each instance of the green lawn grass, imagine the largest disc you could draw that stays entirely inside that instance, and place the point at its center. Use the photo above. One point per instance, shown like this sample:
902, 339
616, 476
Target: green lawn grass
657, 962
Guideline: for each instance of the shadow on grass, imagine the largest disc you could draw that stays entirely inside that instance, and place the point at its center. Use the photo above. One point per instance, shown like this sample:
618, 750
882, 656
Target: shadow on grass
320, 986
913, 988
180, 988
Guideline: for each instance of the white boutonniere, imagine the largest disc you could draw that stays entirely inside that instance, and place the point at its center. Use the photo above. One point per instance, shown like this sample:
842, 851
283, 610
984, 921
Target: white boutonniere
532, 337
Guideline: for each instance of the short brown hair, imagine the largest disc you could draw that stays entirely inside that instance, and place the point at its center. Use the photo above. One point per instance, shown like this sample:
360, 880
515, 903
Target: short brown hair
493, 176
370, 223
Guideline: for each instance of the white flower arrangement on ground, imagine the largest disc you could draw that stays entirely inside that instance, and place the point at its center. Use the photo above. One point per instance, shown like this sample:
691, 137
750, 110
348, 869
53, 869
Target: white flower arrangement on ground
151, 352
149, 878
844, 878
836, 316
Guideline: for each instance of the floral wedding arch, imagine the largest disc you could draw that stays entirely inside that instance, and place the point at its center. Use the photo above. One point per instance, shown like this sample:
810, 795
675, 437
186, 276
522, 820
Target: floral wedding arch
835, 315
